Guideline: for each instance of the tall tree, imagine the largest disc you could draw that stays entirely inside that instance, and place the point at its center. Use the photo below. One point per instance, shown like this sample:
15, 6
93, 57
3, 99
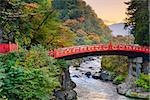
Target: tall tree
138, 20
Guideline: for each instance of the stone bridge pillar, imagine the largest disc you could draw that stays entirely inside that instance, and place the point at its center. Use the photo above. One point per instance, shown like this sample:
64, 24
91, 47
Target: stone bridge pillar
138, 61
130, 67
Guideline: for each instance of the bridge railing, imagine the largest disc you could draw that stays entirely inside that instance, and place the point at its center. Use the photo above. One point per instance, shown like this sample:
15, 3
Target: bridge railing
61, 52
4, 48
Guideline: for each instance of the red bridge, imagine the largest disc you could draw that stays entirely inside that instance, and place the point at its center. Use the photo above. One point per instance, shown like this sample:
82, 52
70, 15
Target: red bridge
131, 51
100, 49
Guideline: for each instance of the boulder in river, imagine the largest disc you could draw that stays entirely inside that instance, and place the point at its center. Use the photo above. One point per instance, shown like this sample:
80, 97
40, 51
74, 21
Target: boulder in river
106, 75
65, 95
71, 95
96, 75
88, 74
124, 87
77, 76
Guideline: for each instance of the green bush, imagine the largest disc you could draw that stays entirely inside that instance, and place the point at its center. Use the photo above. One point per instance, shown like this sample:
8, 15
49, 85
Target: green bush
117, 64
143, 81
119, 79
29, 74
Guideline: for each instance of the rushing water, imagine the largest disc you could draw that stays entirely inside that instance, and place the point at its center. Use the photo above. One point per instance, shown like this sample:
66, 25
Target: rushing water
91, 89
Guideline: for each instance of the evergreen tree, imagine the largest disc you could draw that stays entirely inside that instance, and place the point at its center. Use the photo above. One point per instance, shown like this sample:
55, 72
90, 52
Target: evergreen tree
138, 20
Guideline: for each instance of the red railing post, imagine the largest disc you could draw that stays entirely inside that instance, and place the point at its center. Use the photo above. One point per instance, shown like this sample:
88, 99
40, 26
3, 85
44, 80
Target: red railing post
9, 47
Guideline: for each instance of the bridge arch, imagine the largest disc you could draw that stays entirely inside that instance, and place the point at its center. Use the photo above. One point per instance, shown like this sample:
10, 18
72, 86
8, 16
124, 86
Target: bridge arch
131, 51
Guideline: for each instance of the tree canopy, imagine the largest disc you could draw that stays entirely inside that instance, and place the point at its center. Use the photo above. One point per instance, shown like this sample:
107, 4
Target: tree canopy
31, 22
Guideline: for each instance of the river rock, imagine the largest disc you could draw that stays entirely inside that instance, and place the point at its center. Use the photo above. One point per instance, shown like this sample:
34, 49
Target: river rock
71, 95
128, 84
96, 75
122, 88
77, 76
88, 74
65, 95
59, 95
130, 89
106, 75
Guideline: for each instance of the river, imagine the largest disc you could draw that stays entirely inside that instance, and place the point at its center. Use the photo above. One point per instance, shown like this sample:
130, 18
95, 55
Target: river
92, 89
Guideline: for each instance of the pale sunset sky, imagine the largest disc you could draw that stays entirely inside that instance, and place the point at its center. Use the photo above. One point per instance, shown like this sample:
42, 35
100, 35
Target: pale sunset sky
111, 11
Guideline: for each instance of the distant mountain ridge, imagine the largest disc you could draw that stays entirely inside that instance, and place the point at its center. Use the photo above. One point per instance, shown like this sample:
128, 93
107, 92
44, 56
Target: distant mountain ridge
118, 29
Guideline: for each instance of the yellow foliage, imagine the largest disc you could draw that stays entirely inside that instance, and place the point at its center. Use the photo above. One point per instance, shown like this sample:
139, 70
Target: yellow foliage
94, 37
70, 22
31, 5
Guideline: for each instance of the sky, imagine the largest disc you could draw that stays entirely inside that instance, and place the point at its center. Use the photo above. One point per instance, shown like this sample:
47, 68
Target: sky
111, 11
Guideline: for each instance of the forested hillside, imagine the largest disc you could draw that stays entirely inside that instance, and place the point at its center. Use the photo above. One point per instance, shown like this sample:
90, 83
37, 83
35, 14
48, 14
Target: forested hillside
82, 20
